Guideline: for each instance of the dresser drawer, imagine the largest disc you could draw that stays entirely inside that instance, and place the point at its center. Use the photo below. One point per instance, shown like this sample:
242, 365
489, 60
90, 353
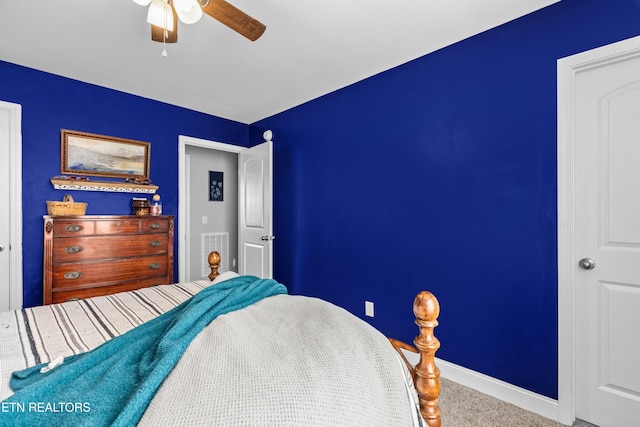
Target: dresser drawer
70, 249
86, 227
74, 228
133, 225
71, 275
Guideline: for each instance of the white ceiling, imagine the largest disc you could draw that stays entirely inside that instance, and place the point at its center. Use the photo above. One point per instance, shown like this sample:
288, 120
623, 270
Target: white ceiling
310, 47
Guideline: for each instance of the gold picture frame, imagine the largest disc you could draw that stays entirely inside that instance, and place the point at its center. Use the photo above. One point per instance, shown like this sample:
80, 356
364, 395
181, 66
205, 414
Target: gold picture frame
88, 154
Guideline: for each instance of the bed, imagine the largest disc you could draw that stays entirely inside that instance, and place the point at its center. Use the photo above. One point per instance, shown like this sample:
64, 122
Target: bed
232, 350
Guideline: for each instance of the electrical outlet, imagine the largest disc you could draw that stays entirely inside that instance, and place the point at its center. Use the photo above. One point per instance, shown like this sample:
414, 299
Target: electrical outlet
205, 219
368, 308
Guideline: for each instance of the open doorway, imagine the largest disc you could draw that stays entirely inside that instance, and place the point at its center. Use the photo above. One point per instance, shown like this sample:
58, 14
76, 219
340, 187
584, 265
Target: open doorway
205, 224
254, 201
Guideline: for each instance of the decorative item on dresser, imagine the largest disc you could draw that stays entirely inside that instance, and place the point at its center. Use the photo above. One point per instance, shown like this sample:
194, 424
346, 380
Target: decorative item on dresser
92, 255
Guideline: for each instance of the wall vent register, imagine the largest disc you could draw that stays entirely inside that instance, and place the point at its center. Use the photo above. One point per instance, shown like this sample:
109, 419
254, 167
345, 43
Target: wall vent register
215, 242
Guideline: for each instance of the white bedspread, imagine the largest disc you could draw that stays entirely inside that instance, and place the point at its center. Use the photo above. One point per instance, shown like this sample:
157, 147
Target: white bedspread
285, 361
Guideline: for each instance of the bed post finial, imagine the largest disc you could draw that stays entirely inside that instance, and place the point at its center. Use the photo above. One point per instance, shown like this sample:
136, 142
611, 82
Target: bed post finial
427, 375
214, 264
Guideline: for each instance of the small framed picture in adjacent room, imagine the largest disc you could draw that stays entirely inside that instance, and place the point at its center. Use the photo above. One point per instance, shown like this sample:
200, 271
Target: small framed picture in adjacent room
215, 186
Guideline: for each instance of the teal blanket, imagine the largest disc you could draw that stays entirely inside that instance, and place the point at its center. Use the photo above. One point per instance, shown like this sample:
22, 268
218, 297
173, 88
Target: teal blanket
114, 383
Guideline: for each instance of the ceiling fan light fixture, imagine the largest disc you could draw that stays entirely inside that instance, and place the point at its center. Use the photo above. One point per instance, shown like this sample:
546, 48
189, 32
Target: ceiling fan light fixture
189, 11
142, 2
160, 15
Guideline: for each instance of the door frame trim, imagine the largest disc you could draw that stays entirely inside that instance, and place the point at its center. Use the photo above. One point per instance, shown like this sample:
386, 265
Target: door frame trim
183, 192
15, 203
568, 68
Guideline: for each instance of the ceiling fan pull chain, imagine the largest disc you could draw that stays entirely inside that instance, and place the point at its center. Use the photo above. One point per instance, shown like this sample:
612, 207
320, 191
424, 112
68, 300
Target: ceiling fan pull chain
165, 34
164, 43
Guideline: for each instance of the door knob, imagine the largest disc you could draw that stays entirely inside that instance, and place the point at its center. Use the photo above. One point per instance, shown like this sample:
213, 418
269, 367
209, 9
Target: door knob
587, 264
1, 248
267, 238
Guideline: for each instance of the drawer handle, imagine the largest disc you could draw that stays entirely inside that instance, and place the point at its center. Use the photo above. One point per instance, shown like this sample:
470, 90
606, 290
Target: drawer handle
73, 249
155, 243
73, 299
74, 228
155, 265
73, 275
154, 226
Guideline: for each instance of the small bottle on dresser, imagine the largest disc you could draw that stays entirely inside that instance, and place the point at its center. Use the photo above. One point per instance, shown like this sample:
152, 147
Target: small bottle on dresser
156, 205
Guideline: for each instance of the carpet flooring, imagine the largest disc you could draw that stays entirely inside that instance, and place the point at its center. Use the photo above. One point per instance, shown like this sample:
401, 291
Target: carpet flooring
465, 407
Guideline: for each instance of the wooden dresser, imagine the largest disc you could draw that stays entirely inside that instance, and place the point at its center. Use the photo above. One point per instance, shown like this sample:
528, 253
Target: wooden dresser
87, 256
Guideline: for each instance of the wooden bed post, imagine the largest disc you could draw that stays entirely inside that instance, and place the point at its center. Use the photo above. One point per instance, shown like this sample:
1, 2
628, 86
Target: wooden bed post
427, 374
214, 264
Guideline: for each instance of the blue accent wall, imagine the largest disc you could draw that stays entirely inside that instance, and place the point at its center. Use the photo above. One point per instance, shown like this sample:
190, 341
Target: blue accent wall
50, 103
440, 174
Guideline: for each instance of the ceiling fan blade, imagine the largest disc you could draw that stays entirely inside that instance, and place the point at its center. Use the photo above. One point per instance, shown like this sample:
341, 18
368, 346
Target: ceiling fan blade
158, 34
234, 18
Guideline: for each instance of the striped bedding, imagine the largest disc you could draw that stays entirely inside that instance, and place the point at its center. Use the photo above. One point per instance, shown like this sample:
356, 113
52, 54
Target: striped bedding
41, 334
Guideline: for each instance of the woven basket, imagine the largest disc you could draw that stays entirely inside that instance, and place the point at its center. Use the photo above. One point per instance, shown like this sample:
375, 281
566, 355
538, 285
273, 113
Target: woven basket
66, 207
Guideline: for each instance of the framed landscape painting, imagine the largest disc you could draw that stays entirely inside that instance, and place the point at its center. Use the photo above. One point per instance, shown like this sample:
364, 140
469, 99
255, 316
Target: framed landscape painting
89, 154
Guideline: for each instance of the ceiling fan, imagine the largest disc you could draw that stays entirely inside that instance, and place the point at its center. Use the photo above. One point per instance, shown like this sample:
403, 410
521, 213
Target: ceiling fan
163, 16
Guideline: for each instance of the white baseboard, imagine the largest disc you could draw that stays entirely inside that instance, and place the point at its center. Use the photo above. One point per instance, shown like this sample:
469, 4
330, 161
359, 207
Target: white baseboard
502, 390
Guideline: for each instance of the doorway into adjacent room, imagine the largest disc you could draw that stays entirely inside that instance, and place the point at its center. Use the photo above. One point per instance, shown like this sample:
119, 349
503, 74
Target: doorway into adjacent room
247, 203
212, 214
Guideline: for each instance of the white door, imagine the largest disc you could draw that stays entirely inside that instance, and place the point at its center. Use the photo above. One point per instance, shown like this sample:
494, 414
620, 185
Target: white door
11, 207
5, 270
607, 242
255, 246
